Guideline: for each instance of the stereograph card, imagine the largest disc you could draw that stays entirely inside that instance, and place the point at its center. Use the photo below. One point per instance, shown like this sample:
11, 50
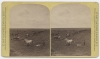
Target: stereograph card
50, 29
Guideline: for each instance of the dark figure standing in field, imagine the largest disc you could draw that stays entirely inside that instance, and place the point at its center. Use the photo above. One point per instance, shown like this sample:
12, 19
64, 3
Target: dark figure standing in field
84, 43
43, 43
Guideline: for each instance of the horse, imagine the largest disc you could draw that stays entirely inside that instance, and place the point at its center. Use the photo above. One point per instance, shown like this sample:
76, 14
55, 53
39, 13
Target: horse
57, 37
68, 41
68, 34
28, 42
16, 38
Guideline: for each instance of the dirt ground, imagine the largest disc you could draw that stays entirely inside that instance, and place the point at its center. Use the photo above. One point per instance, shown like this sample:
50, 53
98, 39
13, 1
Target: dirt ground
59, 47
19, 47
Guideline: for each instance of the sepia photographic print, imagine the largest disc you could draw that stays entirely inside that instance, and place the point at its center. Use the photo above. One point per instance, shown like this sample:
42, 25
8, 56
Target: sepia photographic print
71, 30
29, 30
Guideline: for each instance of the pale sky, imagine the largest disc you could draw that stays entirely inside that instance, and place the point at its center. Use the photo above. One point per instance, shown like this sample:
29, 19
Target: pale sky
29, 16
71, 16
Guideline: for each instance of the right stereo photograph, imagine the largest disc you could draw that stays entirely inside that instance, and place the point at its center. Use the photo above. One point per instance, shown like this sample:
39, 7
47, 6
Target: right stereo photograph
70, 30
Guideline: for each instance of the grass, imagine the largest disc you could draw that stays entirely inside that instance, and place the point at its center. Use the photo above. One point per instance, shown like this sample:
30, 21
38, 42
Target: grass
59, 47
19, 48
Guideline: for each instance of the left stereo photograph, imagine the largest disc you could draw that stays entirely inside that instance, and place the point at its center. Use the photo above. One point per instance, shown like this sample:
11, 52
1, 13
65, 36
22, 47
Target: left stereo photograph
29, 30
